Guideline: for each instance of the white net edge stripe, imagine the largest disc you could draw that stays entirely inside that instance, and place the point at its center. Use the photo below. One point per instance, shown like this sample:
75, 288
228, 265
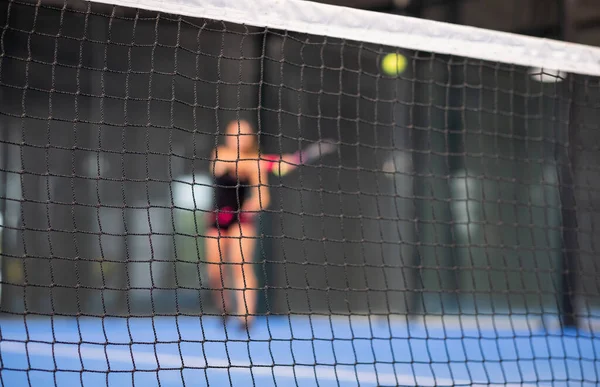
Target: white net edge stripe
390, 30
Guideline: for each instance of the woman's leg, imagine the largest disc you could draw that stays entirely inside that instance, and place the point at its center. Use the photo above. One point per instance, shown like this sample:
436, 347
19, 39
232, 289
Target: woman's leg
216, 255
243, 242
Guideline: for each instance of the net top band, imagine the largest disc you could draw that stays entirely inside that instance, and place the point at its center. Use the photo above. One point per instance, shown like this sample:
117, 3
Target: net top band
390, 30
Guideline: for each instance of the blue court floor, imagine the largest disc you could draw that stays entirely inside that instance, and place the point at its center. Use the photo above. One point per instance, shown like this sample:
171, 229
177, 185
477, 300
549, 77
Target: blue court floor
295, 351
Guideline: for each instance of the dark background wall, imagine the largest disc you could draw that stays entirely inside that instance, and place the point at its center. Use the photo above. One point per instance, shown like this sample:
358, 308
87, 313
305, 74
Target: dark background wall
103, 125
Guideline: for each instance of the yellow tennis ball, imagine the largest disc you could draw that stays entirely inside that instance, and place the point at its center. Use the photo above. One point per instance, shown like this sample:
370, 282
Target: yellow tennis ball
393, 64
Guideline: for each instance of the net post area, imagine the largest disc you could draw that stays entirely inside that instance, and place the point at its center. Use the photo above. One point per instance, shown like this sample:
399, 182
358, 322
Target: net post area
567, 159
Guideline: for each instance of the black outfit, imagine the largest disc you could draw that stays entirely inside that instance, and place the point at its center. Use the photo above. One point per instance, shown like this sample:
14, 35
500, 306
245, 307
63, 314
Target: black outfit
230, 193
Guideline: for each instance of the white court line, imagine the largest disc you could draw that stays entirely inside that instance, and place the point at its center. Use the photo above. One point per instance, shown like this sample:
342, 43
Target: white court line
175, 361
504, 323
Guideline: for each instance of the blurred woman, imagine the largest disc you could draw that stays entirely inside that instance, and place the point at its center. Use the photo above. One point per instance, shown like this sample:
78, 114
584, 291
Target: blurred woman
241, 192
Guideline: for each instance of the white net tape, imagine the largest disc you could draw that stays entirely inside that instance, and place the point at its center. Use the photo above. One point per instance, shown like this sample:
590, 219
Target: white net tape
391, 30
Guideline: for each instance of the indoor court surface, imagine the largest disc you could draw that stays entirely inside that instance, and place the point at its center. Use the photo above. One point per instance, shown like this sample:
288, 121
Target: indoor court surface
304, 351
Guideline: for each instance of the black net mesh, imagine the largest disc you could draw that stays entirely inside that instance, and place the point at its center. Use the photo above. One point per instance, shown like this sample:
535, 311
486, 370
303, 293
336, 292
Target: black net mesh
441, 242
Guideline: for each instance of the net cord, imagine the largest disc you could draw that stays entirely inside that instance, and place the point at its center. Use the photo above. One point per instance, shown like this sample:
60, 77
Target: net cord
390, 30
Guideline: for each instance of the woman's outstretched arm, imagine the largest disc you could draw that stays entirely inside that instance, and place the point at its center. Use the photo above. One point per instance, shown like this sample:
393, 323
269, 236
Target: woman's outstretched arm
281, 165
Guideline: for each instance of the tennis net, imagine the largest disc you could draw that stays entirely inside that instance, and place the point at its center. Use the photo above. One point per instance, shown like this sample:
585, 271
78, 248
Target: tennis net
421, 209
